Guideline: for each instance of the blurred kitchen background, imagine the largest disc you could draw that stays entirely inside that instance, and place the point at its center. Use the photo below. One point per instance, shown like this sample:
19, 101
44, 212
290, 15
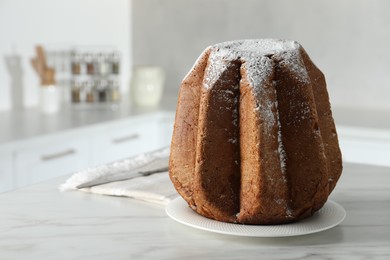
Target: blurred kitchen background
347, 39
105, 59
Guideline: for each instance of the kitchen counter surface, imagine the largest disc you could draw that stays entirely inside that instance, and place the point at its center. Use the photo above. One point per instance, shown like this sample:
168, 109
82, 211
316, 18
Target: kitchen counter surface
29, 123
39, 222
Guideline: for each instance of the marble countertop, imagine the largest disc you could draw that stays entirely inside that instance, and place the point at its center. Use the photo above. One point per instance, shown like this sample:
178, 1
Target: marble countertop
39, 222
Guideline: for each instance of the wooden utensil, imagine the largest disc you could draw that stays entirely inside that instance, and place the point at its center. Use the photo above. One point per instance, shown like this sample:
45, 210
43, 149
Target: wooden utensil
45, 73
41, 57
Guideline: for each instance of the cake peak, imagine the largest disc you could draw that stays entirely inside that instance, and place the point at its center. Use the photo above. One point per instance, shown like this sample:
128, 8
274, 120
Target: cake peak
259, 56
263, 47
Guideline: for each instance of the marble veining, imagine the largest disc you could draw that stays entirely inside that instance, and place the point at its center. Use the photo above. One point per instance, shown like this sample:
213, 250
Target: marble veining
39, 222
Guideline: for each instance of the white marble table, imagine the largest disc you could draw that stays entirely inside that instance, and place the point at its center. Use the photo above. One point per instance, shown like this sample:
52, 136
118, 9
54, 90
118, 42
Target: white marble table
39, 222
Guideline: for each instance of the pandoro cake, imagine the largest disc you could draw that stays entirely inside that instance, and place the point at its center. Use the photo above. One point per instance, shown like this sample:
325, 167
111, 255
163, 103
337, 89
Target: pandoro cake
254, 140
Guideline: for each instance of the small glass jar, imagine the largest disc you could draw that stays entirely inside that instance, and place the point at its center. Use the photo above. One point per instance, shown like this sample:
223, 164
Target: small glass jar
89, 89
76, 89
114, 91
102, 65
76, 63
89, 63
102, 89
115, 63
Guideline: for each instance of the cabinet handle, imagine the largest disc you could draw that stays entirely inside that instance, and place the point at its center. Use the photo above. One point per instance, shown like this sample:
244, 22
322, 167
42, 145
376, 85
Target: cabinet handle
57, 155
125, 138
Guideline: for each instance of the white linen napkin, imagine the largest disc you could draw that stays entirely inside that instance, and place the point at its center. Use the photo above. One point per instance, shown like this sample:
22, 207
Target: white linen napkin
144, 177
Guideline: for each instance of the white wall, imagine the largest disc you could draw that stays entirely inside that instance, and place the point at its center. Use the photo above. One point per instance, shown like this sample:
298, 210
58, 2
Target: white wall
348, 40
24, 23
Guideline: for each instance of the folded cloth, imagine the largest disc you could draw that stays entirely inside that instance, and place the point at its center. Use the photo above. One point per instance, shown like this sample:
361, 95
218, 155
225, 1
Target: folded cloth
144, 177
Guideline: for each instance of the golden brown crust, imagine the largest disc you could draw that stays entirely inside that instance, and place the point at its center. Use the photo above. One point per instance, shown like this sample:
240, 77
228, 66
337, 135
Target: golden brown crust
326, 123
263, 199
254, 142
217, 181
306, 166
182, 157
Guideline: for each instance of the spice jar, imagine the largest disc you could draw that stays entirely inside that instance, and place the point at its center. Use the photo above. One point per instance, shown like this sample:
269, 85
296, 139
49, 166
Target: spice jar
114, 91
115, 63
89, 63
90, 91
76, 63
76, 88
102, 88
102, 65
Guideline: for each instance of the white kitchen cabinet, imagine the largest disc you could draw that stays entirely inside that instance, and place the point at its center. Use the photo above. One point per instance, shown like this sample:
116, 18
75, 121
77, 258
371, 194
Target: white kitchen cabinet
52, 158
6, 176
124, 140
128, 138
40, 158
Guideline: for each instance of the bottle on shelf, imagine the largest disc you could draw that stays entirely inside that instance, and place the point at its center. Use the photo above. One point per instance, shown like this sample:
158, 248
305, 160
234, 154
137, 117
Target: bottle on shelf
76, 89
114, 91
102, 65
90, 91
115, 62
102, 87
89, 63
76, 63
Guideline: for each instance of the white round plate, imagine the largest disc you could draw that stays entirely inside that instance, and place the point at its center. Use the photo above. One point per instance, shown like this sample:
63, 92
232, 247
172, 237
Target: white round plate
330, 215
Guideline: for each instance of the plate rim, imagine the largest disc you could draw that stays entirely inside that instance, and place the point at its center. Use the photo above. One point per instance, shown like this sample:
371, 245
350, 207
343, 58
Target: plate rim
184, 206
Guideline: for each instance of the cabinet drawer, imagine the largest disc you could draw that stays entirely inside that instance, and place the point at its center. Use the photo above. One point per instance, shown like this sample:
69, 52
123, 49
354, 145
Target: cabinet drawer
125, 141
49, 160
6, 177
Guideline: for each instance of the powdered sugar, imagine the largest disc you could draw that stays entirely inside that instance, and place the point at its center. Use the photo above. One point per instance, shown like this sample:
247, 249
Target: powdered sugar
289, 212
292, 60
281, 151
259, 70
260, 47
217, 65
265, 106
256, 54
